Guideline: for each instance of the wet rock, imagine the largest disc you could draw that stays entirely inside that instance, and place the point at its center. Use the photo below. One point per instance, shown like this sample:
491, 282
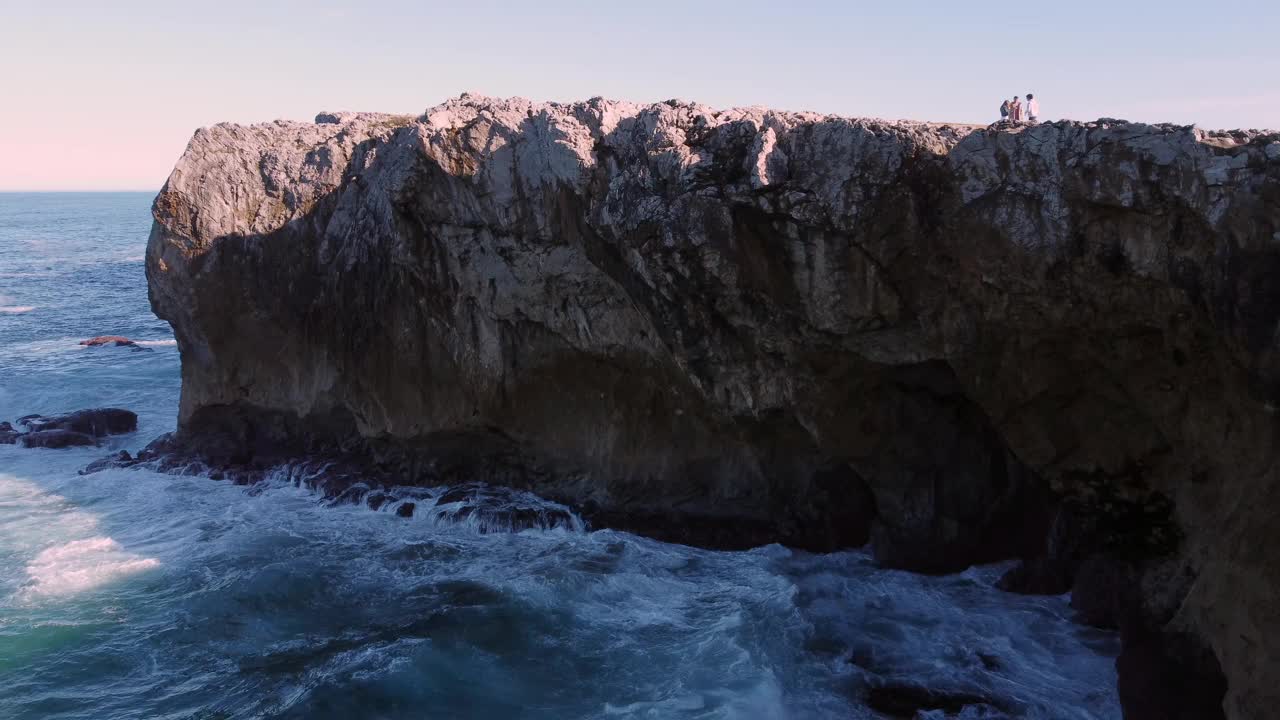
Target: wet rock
499, 509
351, 495
99, 422
375, 500
405, 510
8, 435
111, 340
906, 701
114, 460
55, 439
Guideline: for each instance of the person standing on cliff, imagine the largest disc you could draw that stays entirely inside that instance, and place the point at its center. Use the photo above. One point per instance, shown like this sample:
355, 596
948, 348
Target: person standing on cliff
1033, 109
1004, 110
1015, 110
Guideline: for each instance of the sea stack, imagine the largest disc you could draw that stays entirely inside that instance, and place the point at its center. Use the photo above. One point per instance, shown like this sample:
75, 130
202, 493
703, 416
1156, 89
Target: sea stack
1057, 342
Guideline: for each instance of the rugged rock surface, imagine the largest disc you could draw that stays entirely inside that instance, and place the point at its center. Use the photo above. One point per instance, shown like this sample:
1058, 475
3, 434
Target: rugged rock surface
74, 429
55, 439
768, 326
98, 422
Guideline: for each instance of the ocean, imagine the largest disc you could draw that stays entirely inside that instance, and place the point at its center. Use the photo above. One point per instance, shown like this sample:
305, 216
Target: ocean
131, 594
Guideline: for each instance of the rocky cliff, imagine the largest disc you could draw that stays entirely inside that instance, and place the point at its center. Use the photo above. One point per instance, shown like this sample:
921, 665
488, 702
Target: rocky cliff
1056, 342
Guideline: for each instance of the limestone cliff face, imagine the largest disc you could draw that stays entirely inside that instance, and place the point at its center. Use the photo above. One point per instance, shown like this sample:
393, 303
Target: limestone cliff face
785, 326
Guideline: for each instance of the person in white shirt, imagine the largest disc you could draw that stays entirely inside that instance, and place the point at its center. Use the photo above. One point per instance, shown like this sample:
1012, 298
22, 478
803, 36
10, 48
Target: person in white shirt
1033, 109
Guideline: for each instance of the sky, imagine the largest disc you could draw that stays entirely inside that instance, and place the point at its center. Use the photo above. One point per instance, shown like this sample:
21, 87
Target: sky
105, 95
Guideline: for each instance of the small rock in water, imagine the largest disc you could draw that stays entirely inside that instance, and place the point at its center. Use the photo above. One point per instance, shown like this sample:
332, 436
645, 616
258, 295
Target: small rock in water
110, 340
55, 439
406, 509
99, 422
114, 460
377, 499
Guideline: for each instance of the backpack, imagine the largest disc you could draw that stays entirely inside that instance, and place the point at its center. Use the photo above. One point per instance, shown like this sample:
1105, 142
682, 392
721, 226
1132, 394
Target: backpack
1004, 109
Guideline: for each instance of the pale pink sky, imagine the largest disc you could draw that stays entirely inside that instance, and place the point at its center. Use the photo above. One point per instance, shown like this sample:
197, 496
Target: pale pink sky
106, 95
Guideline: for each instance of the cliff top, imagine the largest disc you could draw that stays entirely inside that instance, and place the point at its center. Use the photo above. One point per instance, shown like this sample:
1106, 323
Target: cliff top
467, 106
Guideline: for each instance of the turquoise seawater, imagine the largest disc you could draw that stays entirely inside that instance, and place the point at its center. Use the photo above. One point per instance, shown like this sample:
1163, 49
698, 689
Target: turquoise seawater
129, 594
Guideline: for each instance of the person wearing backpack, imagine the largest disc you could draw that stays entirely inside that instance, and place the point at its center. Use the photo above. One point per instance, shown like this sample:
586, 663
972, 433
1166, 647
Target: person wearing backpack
1004, 110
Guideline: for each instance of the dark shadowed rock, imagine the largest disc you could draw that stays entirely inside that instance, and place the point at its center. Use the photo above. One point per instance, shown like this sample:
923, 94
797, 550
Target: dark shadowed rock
8, 435
114, 460
55, 439
1072, 536
1104, 590
99, 422
1169, 676
405, 510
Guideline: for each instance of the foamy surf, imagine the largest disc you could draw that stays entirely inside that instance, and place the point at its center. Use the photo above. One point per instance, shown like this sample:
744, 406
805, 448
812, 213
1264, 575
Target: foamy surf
16, 309
81, 565
67, 563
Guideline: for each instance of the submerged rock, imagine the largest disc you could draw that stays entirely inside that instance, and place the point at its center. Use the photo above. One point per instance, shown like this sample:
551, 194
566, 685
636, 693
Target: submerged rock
775, 326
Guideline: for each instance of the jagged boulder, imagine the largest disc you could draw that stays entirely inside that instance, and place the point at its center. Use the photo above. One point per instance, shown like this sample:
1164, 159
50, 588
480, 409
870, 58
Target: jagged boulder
95, 423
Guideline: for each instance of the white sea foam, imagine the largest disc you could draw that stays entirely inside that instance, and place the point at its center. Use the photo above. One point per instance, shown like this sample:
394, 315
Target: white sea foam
69, 563
157, 343
81, 565
15, 309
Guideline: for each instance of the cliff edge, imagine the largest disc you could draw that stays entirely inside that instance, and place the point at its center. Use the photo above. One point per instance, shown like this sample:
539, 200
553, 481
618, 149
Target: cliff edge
1057, 342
